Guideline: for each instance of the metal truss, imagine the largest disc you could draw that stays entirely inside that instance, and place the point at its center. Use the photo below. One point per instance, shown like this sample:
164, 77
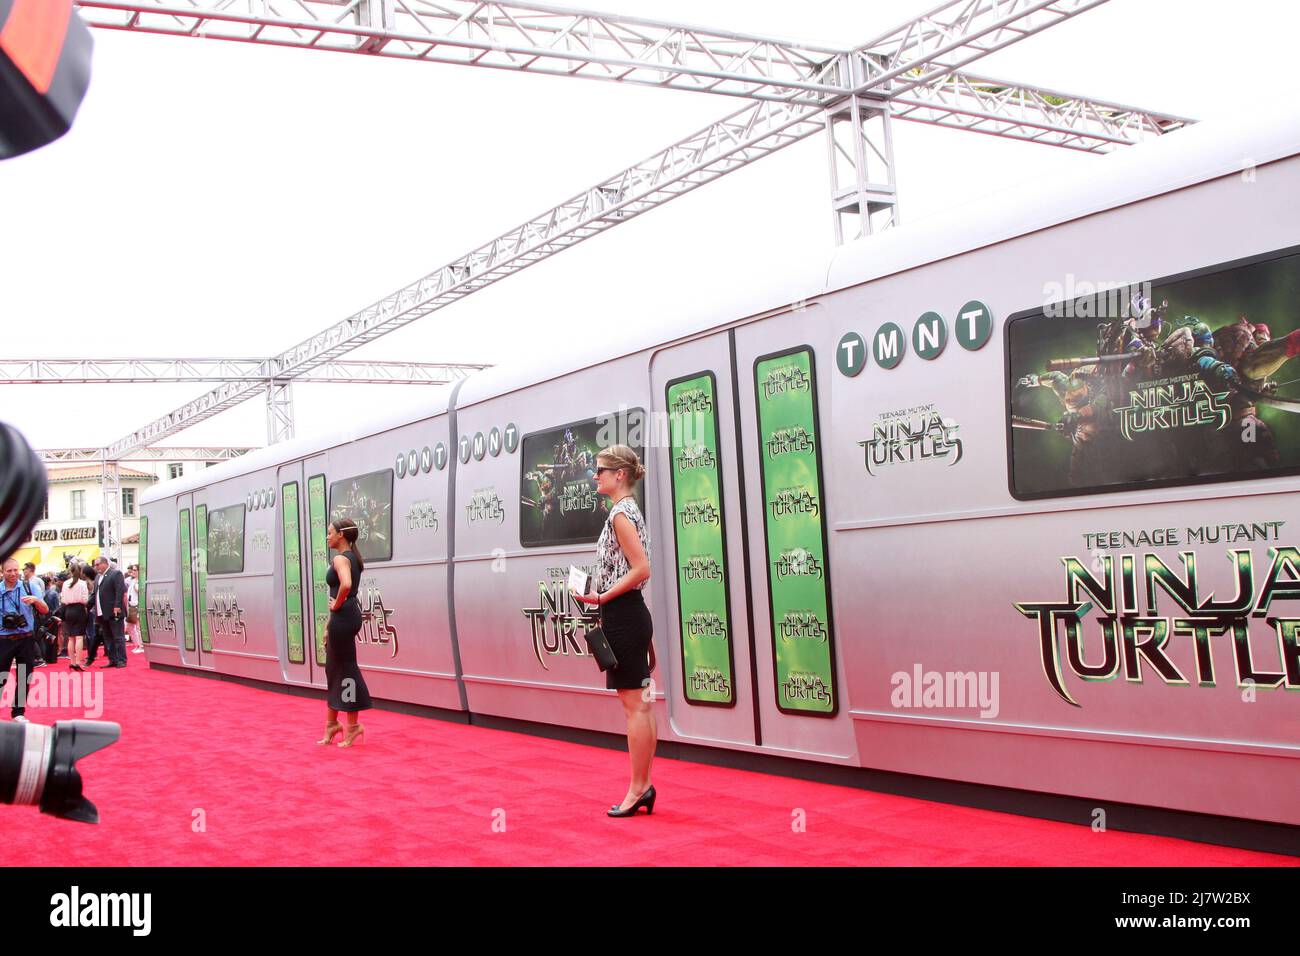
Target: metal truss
110, 483
1014, 111
799, 90
561, 41
77, 456
75, 371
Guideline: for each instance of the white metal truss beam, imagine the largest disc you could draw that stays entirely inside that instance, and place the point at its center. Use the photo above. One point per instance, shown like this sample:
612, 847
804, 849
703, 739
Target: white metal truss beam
915, 57
563, 41
529, 38
75, 371
110, 484
79, 456
1011, 110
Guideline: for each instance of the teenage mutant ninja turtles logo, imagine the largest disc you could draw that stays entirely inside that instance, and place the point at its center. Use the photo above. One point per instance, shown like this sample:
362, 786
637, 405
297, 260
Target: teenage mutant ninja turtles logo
705, 624
376, 619
559, 624
709, 680
798, 562
226, 617
698, 512
793, 440
1202, 628
692, 400
801, 686
1182, 402
578, 496
904, 440
485, 505
701, 568
794, 501
159, 613
785, 378
802, 626
696, 456
422, 516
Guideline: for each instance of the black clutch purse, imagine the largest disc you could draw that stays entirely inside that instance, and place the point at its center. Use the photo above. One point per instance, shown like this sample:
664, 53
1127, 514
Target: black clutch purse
598, 644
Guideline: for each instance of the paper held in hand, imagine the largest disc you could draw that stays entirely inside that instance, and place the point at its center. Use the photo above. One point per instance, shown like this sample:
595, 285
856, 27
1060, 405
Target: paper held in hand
579, 580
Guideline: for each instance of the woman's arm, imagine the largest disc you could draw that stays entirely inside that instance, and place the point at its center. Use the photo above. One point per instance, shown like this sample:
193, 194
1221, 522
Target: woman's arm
343, 567
638, 563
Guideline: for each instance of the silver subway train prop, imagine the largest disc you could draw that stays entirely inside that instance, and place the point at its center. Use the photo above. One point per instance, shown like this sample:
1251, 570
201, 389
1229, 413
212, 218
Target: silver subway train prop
1010, 499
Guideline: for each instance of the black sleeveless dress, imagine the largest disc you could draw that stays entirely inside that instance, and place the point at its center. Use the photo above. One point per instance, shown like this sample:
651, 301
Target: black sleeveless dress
346, 688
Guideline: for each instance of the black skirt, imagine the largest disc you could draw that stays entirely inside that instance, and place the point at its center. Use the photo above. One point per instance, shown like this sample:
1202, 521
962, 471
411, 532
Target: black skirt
627, 624
345, 687
74, 619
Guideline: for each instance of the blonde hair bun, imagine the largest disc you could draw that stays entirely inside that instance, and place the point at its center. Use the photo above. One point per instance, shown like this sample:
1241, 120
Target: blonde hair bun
621, 456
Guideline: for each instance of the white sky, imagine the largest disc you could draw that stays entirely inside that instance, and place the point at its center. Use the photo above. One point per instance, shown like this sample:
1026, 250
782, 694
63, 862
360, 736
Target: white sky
222, 199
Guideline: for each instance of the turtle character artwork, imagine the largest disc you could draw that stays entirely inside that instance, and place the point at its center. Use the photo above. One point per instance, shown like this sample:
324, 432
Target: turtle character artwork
1150, 399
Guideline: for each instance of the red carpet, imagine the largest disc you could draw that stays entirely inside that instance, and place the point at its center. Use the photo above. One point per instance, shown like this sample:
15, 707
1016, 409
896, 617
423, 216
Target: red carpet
424, 792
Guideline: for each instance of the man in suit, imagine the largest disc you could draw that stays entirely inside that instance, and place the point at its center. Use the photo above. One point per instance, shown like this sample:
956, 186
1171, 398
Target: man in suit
110, 610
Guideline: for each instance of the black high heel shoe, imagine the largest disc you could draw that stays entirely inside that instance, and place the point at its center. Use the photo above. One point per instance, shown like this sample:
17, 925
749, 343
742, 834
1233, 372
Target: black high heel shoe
646, 800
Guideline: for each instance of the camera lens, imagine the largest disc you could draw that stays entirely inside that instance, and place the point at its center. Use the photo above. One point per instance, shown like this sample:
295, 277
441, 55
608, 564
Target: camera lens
38, 765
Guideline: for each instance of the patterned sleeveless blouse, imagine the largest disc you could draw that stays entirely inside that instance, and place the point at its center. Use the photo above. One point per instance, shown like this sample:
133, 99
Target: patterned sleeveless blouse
611, 562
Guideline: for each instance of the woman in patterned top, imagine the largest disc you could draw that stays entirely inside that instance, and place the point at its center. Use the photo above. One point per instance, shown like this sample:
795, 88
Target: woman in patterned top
622, 570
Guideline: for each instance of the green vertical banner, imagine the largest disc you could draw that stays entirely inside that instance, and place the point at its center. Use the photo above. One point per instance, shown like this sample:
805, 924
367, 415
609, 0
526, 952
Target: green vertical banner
186, 571
201, 545
320, 561
794, 526
708, 659
292, 571
142, 602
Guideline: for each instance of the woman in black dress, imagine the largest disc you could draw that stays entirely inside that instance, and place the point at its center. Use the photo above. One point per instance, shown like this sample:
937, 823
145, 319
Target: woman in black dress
622, 571
347, 692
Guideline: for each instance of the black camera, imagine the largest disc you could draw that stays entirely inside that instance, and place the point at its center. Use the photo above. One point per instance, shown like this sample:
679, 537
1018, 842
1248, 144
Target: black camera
38, 765
13, 622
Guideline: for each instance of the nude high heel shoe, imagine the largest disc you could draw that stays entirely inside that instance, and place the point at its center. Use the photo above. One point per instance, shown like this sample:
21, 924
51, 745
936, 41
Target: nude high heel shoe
331, 728
352, 734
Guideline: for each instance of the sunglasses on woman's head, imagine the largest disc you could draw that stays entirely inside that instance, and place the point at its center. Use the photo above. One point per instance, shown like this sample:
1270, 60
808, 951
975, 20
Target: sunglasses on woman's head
601, 468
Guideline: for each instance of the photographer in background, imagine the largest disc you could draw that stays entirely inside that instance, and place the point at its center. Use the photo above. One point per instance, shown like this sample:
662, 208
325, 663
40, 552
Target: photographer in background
19, 605
53, 622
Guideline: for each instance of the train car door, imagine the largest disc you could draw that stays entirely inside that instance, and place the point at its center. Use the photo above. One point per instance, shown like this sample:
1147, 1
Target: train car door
315, 510
189, 557
293, 627
698, 539
783, 367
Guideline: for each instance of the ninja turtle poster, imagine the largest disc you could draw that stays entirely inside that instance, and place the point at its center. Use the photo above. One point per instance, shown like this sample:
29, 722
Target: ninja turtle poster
558, 500
367, 500
1191, 379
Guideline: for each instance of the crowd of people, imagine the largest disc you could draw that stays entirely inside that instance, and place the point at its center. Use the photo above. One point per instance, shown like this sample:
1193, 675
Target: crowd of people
68, 615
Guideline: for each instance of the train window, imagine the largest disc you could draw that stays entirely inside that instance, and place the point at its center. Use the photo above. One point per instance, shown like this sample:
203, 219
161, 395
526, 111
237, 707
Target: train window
226, 540
557, 486
1179, 381
367, 500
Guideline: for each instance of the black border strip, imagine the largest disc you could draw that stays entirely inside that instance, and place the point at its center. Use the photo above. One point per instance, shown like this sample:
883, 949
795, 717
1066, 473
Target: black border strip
453, 463
1041, 311
826, 551
746, 564
722, 519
